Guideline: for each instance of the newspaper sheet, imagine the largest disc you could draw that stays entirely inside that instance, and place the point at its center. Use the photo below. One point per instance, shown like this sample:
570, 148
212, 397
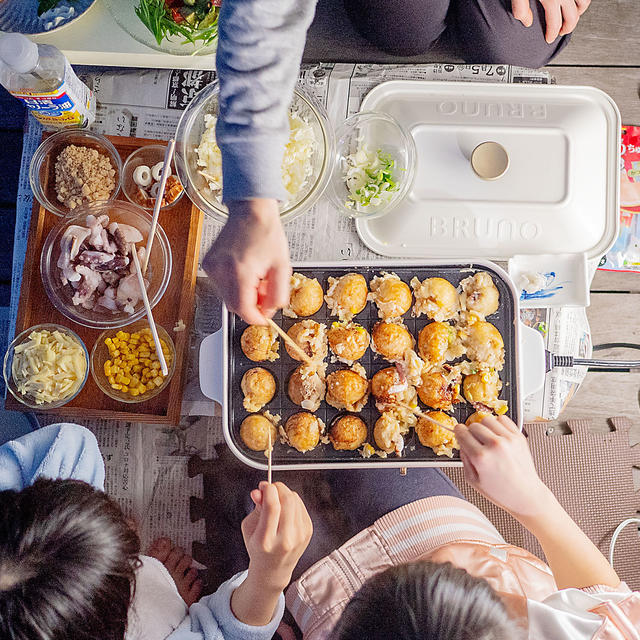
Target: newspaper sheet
148, 103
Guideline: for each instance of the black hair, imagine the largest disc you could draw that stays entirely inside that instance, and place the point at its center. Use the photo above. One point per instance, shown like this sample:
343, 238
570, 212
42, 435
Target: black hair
426, 601
67, 563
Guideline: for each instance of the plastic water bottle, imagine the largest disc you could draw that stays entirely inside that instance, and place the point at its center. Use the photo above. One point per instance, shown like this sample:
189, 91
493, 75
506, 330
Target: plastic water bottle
41, 76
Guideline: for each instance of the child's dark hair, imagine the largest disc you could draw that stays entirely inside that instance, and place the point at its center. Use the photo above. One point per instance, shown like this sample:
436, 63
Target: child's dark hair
426, 601
67, 561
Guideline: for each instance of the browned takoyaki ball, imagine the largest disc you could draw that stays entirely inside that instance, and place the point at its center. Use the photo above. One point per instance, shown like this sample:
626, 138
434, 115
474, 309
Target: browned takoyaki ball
306, 388
391, 295
388, 433
391, 340
485, 345
302, 431
483, 387
387, 383
477, 416
347, 389
311, 337
479, 294
437, 298
306, 296
254, 432
260, 343
438, 342
258, 386
348, 342
348, 433
436, 391
431, 435
347, 295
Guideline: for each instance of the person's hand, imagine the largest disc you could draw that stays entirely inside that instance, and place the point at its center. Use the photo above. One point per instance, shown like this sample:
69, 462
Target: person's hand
498, 464
276, 533
561, 16
249, 261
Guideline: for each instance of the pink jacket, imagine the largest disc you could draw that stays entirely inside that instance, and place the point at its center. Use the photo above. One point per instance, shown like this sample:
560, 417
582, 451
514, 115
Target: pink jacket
444, 529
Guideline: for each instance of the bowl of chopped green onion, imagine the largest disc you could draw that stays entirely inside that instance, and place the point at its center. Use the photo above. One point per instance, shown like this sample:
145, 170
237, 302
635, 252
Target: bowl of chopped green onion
374, 165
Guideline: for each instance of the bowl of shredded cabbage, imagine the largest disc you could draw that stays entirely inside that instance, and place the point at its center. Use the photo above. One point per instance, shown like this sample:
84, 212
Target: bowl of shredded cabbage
306, 164
374, 165
46, 366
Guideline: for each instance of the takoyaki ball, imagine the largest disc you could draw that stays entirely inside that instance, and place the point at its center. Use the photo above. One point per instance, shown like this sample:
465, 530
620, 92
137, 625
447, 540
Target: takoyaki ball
391, 340
437, 298
483, 387
439, 342
260, 343
348, 342
391, 295
388, 433
348, 433
479, 294
437, 391
311, 337
485, 345
442, 441
306, 388
254, 432
347, 295
258, 386
306, 297
347, 389
477, 416
302, 431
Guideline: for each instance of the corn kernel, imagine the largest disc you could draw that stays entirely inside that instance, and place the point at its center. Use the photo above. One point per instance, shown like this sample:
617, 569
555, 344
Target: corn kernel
134, 392
111, 380
158, 380
137, 368
107, 368
117, 387
124, 388
142, 389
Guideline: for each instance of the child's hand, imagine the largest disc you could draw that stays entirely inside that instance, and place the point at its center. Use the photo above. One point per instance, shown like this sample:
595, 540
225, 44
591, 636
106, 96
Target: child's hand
498, 463
276, 533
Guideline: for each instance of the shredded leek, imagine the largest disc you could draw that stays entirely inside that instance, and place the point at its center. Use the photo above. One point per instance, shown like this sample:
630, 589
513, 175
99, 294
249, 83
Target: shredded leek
369, 178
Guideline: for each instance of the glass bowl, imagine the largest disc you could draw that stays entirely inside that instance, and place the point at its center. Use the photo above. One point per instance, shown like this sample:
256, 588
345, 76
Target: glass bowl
376, 134
8, 363
192, 126
148, 155
100, 354
42, 168
21, 16
124, 13
158, 273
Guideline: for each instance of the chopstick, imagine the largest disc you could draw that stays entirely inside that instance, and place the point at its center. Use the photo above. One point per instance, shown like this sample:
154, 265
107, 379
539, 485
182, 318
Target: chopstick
166, 172
291, 342
423, 415
269, 458
147, 308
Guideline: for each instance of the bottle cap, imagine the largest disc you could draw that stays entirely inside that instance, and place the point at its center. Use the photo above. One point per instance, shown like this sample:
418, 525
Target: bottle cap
18, 52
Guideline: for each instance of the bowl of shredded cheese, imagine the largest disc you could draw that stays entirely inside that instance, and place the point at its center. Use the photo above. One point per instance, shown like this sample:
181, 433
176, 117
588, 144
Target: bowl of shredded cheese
306, 164
374, 165
46, 366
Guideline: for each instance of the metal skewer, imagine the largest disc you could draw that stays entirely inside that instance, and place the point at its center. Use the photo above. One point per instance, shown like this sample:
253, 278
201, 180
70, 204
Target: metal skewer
166, 172
269, 458
292, 343
147, 308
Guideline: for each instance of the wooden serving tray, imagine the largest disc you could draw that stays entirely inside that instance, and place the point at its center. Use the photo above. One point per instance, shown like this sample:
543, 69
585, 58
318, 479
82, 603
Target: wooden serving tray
183, 226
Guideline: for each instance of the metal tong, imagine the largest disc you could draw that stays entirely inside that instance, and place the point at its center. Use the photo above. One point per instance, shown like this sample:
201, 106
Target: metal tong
551, 360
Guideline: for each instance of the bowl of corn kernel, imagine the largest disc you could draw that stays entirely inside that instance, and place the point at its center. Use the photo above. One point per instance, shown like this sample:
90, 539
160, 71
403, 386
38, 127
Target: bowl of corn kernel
125, 366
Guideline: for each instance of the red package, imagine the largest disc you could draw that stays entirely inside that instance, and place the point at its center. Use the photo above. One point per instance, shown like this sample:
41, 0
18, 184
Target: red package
630, 171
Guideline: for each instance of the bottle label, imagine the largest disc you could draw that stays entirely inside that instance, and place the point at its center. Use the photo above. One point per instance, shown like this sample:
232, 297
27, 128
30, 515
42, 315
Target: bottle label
71, 104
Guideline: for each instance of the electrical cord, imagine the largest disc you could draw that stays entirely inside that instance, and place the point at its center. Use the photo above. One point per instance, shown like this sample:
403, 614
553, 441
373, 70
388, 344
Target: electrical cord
616, 533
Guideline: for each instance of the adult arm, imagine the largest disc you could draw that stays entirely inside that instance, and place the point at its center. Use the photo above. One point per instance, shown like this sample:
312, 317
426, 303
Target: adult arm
259, 51
499, 465
66, 451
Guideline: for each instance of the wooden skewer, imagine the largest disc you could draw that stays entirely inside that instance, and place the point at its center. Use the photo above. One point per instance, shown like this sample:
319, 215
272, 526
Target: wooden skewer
421, 414
147, 308
166, 172
269, 459
292, 343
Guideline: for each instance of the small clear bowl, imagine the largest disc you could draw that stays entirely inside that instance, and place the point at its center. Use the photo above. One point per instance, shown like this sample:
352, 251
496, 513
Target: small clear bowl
42, 168
100, 354
192, 126
148, 155
8, 363
158, 273
376, 131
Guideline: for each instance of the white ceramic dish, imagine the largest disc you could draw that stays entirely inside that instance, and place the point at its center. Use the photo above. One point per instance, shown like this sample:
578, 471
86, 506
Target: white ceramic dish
218, 375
